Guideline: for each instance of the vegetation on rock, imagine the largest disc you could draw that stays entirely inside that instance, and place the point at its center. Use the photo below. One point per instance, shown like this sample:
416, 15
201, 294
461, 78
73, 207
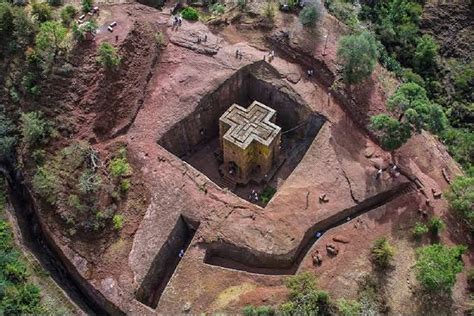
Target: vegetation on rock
358, 54
108, 56
190, 14
461, 198
382, 253
437, 267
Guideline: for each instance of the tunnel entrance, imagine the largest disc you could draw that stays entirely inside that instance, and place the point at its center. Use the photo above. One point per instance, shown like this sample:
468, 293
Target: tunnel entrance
195, 139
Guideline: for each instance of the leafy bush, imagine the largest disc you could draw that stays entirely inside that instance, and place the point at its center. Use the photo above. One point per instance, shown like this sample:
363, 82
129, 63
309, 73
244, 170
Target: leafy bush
461, 198
45, 184
419, 230
425, 54
17, 297
460, 144
7, 137
34, 128
217, 8
304, 297
250, 310
55, 3
344, 11
86, 5
125, 185
51, 40
67, 14
269, 11
42, 12
267, 194
107, 56
242, 4
382, 253
436, 225
348, 307
119, 167
437, 266
190, 14
118, 221
310, 15
89, 182
80, 31
358, 54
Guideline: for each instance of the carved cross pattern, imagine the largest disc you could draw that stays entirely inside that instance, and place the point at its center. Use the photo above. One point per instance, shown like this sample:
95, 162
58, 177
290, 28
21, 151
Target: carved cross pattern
247, 125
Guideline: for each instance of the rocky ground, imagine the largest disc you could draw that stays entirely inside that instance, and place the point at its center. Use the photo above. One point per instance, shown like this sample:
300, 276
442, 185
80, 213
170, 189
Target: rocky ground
241, 252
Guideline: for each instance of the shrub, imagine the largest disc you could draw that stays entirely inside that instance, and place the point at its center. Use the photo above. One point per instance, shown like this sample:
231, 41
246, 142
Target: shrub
304, 297
67, 14
80, 31
34, 128
45, 184
461, 197
267, 194
269, 11
86, 5
7, 137
55, 3
190, 14
89, 182
310, 15
348, 307
437, 266
382, 253
217, 8
250, 310
344, 11
119, 167
108, 56
125, 185
42, 12
118, 221
358, 54
419, 230
425, 54
242, 4
436, 225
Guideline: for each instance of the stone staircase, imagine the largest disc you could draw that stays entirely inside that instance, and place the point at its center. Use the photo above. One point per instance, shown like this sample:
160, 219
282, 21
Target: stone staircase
228, 182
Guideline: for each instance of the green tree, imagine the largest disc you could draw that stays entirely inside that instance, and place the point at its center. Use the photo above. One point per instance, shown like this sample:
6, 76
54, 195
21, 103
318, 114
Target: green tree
419, 230
461, 197
304, 297
34, 128
382, 252
189, 13
51, 39
45, 183
358, 54
80, 32
42, 12
107, 56
416, 112
391, 133
437, 266
67, 14
6, 25
7, 137
310, 15
348, 307
436, 226
425, 54
86, 5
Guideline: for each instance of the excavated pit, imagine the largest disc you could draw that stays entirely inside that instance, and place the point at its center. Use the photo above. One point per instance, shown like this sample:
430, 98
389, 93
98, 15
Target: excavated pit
166, 262
195, 139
